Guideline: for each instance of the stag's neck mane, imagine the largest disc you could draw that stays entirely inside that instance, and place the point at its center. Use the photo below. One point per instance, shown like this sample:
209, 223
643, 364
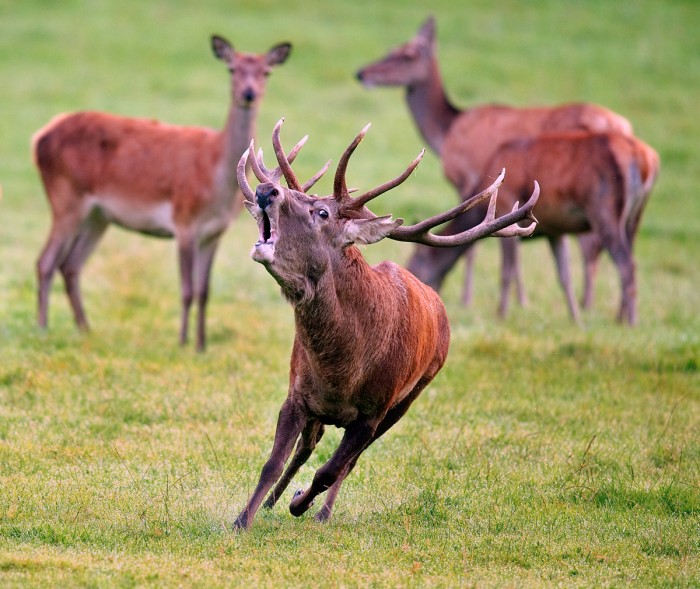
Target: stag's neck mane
430, 107
344, 307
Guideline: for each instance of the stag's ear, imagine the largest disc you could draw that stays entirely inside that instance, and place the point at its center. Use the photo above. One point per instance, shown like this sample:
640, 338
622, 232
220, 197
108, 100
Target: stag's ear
279, 54
369, 230
221, 48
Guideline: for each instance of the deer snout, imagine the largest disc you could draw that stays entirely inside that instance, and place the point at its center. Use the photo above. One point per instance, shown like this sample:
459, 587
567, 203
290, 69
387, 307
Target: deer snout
248, 95
265, 194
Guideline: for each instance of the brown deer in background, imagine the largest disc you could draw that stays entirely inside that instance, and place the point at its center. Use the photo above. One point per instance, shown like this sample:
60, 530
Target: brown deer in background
597, 183
591, 182
368, 339
466, 139
150, 177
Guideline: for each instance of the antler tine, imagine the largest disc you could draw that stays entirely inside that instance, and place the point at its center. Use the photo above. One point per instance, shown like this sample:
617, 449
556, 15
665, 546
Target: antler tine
367, 196
247, 191
315, 178
284, 163
340, 189
501, 226
259, 169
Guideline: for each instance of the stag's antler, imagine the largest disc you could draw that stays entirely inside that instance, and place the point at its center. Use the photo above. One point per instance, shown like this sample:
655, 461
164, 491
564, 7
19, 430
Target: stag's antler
284, 168
340, 190
504, 226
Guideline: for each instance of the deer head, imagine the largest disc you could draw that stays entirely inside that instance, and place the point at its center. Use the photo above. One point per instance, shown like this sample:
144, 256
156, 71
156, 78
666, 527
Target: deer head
407, 64
248, 71
300, 234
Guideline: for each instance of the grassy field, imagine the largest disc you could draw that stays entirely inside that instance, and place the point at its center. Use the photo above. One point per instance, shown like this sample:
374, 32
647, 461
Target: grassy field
543, 454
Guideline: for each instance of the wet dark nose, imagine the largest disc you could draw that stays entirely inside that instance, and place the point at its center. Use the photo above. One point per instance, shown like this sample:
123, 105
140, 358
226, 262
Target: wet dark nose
359, 75
249, 95
265, 194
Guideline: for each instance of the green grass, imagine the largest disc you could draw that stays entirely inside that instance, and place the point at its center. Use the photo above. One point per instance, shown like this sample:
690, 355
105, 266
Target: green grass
542, 455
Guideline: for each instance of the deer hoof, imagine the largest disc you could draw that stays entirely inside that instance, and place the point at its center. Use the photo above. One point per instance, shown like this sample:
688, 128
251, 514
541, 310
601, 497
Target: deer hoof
297, 506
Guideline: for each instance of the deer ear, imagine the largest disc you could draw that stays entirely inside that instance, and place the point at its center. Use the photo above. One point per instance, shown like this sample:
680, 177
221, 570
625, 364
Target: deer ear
279, 54
427, 29
369, 230
221, 48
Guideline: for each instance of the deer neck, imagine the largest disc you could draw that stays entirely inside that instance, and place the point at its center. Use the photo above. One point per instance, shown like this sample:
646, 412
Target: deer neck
236, 136
430, 107
328, 322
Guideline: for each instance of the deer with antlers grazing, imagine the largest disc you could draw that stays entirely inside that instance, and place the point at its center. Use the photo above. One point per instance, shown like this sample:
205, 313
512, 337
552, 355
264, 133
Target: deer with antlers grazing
368, 339
156, 179
466, 139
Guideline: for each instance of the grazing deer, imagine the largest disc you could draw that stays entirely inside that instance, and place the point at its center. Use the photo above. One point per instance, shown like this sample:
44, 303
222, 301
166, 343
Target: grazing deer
157, 179
368, 339
596, 183
466, 140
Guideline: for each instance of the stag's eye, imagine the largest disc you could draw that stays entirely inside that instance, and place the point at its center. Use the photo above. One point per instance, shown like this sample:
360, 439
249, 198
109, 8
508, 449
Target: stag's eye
323, 213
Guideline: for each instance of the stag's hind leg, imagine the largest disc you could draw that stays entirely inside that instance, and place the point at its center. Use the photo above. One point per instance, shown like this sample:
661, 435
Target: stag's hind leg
391, 417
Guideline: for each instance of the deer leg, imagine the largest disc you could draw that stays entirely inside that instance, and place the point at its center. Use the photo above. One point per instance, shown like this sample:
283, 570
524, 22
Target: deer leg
202, 272
310, 436
468, 288
57, 247
590, 250
391, 417
509, 253
560, 250
290, 423
358, 435
622, 256
186, 260
83, 246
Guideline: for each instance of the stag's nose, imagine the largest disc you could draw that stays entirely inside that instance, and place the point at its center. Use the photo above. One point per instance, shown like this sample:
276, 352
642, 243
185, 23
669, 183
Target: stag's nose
265, 194
360, 75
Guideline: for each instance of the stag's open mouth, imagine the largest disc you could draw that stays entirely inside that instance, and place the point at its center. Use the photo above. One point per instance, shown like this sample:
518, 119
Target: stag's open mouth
266, 228
264, 249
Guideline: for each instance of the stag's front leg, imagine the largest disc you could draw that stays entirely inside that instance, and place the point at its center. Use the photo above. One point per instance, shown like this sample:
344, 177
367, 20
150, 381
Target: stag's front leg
358, 435
290, 422
312, 434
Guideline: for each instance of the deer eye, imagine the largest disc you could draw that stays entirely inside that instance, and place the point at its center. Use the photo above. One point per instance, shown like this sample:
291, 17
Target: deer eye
323, 213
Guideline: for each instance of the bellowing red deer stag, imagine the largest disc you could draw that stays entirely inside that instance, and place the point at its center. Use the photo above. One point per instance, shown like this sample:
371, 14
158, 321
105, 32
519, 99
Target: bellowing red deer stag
368, 339
156, 179
466, 139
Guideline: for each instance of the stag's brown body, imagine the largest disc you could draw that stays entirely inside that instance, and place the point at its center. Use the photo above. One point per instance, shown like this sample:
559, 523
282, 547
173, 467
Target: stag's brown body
368, 339
157, 179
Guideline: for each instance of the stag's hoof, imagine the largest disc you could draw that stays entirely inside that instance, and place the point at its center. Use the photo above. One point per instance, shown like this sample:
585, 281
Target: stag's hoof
297, 507
240, 524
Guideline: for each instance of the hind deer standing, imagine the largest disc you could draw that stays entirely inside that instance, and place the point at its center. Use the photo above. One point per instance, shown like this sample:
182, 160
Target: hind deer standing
150, 177
466, 140
368, 339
